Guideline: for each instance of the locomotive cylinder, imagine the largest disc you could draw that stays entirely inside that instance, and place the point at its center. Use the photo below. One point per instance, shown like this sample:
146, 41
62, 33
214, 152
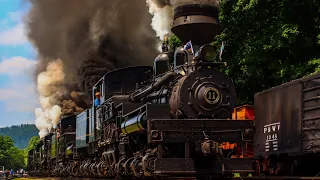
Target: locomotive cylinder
135, 124
138, 95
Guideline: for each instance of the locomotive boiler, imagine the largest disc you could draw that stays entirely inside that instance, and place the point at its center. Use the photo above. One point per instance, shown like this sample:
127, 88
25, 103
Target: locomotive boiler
161, 121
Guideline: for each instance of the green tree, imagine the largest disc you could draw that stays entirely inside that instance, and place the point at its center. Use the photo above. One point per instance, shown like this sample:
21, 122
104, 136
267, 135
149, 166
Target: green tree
31, 145
268, 42
33, 142
10, 156
174, 42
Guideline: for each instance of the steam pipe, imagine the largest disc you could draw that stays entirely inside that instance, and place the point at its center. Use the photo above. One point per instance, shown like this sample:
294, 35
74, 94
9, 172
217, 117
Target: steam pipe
138, 95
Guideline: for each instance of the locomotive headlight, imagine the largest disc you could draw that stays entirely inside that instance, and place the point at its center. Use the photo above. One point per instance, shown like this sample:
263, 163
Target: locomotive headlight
206, 53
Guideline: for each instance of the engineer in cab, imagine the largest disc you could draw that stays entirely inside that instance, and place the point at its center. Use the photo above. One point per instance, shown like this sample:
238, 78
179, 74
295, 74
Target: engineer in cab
97, 99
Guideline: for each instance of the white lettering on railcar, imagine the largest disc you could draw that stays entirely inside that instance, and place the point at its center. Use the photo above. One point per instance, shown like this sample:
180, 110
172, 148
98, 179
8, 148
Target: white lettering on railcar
271, 132
271, 128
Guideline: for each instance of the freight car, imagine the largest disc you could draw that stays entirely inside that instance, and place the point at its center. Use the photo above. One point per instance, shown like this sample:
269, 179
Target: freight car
160, 121
287, 122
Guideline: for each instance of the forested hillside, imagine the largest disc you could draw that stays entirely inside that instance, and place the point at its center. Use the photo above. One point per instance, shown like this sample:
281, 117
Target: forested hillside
20, 134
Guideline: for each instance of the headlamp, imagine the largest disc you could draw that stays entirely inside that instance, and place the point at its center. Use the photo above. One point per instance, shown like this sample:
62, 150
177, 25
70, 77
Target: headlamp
206, 53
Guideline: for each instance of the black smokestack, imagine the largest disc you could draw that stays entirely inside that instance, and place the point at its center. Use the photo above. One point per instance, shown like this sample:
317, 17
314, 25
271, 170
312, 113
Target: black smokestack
196, 22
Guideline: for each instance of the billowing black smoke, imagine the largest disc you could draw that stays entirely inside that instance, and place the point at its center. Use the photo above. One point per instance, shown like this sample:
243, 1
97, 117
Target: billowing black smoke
91, 37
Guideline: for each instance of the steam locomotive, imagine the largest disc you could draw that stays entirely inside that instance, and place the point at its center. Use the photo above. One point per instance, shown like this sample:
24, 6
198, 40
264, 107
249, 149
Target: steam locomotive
179, 118
165, 120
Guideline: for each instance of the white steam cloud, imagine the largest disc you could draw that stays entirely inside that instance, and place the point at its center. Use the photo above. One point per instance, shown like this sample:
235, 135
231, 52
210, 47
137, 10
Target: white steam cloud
162, 17
48, 86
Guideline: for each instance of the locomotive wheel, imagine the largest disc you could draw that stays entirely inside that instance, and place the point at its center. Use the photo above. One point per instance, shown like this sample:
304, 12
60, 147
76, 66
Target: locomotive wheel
119, 167
126, 166
102, 168
148, 164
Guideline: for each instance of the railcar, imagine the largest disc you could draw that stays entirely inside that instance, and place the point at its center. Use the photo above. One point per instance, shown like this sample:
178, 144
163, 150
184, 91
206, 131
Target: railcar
287, 123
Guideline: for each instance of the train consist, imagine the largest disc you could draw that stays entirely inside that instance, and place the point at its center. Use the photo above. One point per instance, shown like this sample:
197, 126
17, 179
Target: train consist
179, 118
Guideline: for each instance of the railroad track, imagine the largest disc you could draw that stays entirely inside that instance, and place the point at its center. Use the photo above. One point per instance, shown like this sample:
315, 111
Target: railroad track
216, 178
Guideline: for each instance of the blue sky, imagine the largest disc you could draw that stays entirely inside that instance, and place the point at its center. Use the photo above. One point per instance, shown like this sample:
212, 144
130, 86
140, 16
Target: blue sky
18, 97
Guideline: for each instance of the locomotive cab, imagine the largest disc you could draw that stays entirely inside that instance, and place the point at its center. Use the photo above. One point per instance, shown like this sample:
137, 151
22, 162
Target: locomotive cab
67, 129
37, 154
30, 159
121, 81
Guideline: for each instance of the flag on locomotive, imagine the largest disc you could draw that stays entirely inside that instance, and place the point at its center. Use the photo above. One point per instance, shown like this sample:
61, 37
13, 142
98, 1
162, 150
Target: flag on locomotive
221, 50
188, 47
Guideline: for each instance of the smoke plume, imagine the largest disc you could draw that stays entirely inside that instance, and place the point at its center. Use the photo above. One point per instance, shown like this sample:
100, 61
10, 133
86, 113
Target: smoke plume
79, 41
91, 37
